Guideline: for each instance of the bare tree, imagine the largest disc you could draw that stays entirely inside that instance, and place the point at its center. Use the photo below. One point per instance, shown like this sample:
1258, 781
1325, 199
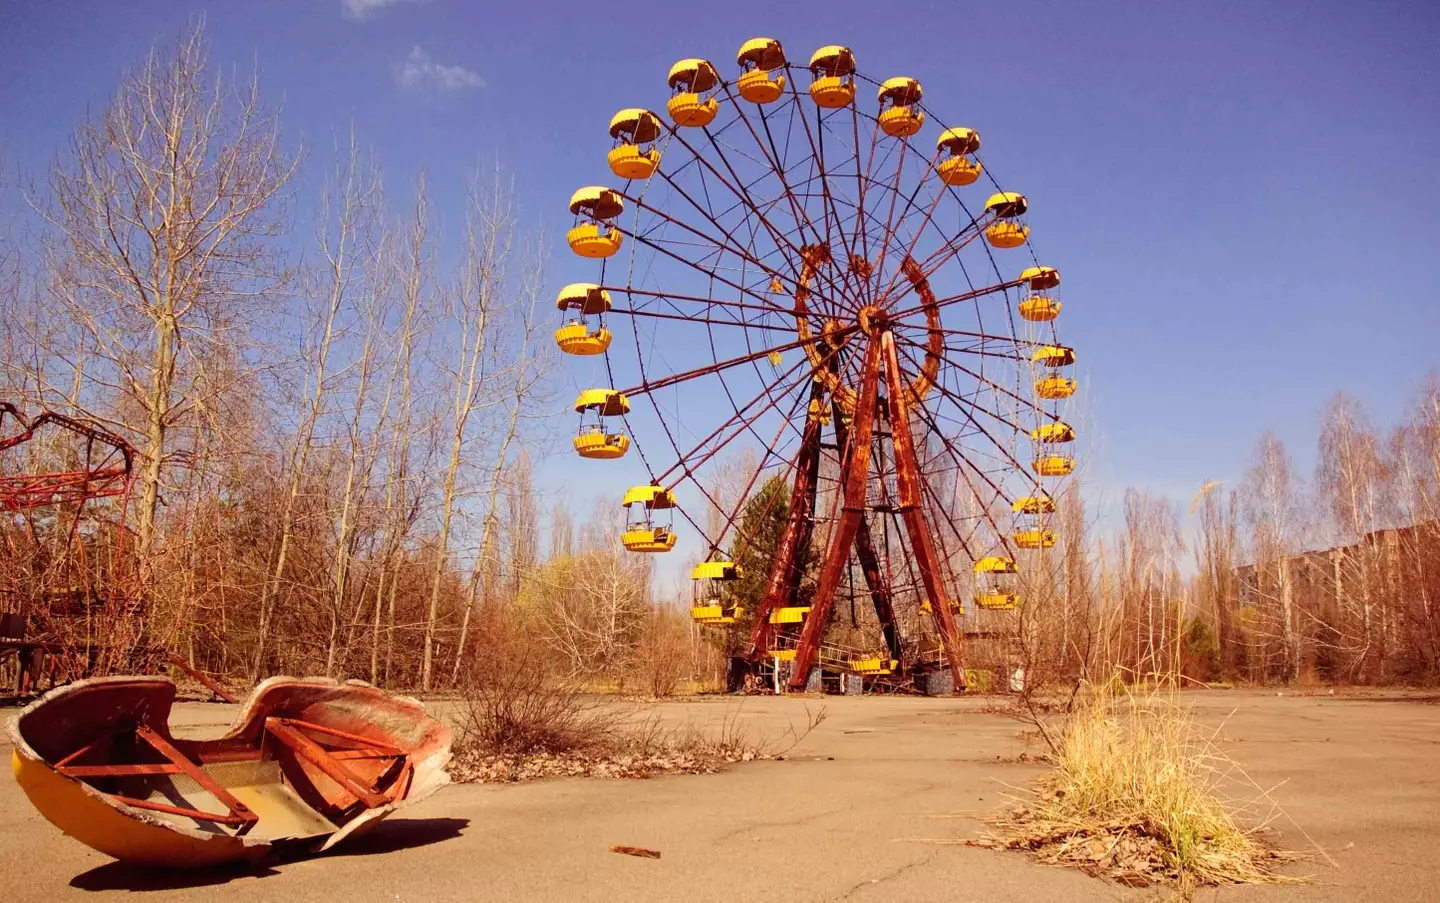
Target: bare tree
165, 211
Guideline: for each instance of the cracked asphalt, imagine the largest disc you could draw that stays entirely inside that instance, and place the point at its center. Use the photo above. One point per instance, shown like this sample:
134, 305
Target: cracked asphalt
866, 807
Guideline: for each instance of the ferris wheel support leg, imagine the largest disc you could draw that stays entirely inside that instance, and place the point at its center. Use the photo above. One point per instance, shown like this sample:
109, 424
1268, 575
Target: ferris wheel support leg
856, 471
922, 545
784, 575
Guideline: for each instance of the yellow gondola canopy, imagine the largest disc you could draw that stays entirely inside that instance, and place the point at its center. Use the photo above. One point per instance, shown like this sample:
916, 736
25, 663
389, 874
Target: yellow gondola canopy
1007, 204
640, 126
995, 564
694, 75
717, 570
586, 297
761, 53
1040, 278
833, 60
597, 201
1054, 356
1034, 504
1058, 431
651, 496
958, 141
901, 91
605, 402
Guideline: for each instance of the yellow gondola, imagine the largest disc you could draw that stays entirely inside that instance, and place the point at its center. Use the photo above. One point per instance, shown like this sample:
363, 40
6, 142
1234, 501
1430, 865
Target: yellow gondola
1053, 465
759, 60
1053, 387
1009, 229
634, 155
689, 81
879, 663
1034, 539
576, 336
1034, 504
1053, 433
958, 167
642, 533
898, 116
832, 73
709, 604
994, 574
593, 235
792, 615
594, 440
1053, 356
1040, 304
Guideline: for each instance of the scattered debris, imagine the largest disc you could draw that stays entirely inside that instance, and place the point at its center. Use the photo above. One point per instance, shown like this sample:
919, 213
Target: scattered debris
635, 851
308, 763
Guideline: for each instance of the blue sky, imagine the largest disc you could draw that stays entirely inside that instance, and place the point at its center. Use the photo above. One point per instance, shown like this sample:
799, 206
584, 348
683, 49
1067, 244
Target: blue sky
1244, 197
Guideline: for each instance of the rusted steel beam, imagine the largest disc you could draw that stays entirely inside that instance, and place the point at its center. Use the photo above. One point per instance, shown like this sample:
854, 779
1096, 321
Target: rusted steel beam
209, 682
879, 591
856, 472
317, 755
912, 511
236, 821
343, 735
784, 572
196, 773
870, 562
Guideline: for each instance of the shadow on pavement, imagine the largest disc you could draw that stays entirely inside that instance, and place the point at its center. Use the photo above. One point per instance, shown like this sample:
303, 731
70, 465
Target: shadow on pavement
389, 836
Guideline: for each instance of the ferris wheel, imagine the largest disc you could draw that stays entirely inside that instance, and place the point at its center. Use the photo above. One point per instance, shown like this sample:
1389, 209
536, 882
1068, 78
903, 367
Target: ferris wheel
787, 262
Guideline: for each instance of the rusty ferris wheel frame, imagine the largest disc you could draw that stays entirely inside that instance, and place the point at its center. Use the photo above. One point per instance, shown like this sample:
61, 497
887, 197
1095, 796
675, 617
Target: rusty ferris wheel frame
785, 227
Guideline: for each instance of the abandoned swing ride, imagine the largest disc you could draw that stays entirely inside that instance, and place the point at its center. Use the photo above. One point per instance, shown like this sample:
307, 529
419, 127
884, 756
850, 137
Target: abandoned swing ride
874, 327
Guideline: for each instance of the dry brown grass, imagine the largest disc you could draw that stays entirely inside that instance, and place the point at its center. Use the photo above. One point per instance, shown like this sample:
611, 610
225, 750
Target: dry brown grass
1137, 797
520, 721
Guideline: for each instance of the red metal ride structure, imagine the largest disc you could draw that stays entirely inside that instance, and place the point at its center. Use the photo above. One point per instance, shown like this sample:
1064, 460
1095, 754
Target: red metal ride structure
57, 461
818, 293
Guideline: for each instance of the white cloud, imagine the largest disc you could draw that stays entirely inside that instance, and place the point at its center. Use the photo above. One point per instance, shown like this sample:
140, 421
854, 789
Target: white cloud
420, 71
363, 9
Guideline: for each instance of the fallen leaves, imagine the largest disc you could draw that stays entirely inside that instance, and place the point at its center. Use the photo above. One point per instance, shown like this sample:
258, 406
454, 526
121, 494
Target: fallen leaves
501, 769
641, 852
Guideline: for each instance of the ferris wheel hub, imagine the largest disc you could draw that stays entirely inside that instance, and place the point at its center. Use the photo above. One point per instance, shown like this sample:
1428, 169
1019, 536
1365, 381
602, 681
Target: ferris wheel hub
873, 318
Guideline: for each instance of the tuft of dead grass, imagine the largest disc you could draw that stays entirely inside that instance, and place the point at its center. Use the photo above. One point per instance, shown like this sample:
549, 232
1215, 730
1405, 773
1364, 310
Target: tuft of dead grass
1137, 797
520, 721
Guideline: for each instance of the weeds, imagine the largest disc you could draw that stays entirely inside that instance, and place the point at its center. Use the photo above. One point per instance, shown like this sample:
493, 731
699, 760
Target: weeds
1136, 798
518, 722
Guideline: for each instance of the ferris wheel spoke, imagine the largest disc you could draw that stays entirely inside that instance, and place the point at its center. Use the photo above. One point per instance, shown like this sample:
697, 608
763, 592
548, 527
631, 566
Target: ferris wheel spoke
956, 299
648, 386
728, 246
978, 377
709, 321
707, 272
792, 379
967, 405
829, 211
770, 450
965, 468
798, 212
706, 211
